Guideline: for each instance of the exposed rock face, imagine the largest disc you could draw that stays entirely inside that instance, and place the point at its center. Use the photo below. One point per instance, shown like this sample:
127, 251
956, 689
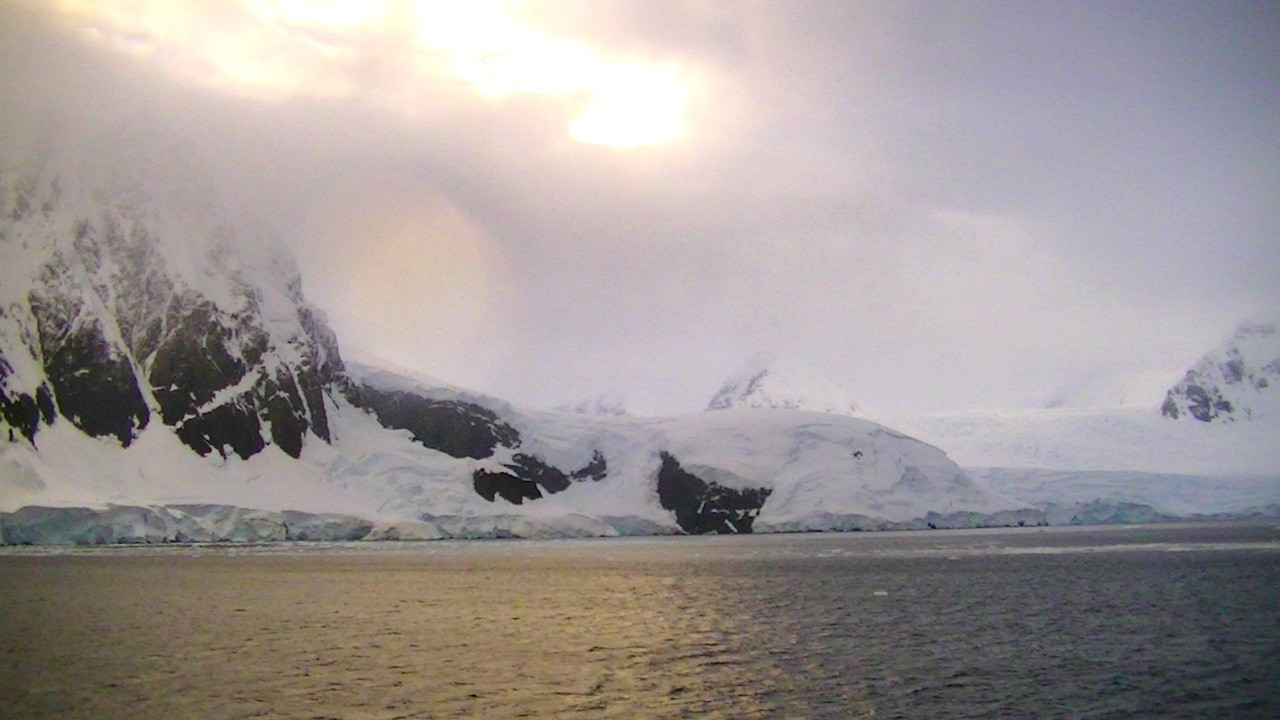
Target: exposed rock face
121, 303
92, 380
457, 428
438, 419
24, 413
526, 477
704, 507
597, 469
1239, 381
94, 384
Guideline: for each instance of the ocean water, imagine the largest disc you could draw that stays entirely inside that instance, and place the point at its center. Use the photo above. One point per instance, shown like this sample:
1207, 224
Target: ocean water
1149, 622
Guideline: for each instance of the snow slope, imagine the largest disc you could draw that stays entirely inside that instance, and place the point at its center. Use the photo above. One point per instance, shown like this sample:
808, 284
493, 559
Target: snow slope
1133, 440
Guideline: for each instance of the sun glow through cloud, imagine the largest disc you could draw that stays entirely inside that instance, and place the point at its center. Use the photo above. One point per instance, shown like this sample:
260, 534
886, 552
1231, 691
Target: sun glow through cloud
333, 14
279, 48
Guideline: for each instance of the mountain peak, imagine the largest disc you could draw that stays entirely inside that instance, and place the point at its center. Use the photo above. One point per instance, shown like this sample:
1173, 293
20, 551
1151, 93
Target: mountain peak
1239, 380
772, 381
126, 297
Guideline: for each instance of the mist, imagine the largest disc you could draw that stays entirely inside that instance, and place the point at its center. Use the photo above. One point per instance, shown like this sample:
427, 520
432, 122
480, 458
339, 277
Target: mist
939, 206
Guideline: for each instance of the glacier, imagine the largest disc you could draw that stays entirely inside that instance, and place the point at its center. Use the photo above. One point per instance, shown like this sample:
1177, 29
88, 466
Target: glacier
1070, 462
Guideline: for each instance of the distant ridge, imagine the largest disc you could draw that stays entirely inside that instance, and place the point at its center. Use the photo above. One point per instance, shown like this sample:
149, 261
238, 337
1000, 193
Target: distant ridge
770, 381
608, 404
1116, 386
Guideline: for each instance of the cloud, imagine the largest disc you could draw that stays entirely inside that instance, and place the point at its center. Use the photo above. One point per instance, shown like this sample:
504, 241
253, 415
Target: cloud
937, 205
401, 56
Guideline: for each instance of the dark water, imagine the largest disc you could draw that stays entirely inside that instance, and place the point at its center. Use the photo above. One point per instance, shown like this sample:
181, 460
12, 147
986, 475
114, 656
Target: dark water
1066, 623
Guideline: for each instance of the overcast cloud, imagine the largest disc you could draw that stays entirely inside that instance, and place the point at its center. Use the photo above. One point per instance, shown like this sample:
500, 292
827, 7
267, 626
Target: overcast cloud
938, 205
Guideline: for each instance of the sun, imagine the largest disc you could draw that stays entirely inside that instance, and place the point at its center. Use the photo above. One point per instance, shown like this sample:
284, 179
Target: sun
634, 106
320, 48
619, 104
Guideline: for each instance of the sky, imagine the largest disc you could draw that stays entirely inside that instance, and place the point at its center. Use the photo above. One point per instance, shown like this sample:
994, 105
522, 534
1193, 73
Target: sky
937, 205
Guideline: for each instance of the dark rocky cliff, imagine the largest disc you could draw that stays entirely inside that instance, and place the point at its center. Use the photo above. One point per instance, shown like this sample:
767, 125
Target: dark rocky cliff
128, 317
702, 507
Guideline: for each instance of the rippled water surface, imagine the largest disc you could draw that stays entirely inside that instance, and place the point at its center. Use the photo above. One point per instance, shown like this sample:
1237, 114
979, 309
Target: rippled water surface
1174, 621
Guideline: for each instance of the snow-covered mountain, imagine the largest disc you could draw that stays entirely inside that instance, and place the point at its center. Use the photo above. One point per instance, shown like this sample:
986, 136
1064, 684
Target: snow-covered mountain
412, 461
127, 301
162, 377
787, 470
769, 381
1237, 381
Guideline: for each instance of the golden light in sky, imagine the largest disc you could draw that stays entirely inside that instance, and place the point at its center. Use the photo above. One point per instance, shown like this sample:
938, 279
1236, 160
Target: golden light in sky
334, 14
378, 241
317, 47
